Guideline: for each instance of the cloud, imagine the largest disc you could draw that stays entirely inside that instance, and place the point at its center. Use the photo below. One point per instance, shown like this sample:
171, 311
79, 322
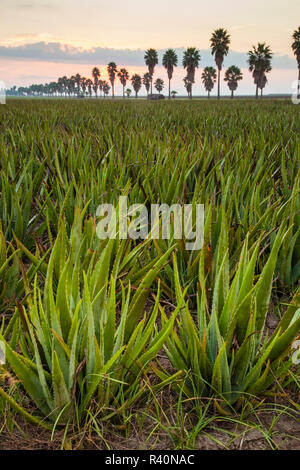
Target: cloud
30, 5
36, 78
63, 53
26, 36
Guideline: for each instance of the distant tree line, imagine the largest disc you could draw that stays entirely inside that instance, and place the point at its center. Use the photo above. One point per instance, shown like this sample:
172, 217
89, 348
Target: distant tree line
259, 61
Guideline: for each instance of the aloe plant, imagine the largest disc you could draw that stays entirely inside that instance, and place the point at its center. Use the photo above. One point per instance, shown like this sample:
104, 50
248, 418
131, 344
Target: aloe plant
59, 162
82, 342
225, 350
9, 273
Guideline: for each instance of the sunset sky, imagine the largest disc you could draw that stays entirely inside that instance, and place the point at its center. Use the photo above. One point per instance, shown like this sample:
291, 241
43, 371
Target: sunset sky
41, 40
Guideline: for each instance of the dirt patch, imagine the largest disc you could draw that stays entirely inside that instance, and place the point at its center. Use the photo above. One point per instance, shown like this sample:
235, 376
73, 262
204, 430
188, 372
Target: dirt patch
274, 427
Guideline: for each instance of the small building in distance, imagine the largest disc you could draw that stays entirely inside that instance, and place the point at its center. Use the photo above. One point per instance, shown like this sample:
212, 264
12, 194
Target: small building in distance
156, 96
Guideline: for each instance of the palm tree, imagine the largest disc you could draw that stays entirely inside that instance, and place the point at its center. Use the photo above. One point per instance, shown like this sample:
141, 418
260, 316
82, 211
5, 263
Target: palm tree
95, 88
146, 81
64, 80
262, 84
232, 76
101, 85
191, 59
159, 84
173, 93
296, 49
170, 60
259, 60
60, 85
209, 78
78, 82
151, 59
89, 85
123, 76
106, 88
136, 81
128, 92
96, 76
67, 89
112, 70
83, 85
188, 86
72, 83
46, 89
219, 43
53, 88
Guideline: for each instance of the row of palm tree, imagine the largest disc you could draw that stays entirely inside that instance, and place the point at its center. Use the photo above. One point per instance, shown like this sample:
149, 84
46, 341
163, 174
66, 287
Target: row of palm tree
259, 61
80, 86
232, 76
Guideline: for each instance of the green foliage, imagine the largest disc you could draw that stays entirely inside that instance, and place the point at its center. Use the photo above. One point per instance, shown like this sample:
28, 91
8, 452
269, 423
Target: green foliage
91, 315
225, 349
84, 339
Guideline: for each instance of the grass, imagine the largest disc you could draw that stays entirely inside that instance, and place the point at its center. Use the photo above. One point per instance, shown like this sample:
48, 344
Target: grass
96, 330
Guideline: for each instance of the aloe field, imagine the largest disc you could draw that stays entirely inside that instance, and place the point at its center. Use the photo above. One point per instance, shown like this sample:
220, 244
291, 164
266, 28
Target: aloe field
101, 334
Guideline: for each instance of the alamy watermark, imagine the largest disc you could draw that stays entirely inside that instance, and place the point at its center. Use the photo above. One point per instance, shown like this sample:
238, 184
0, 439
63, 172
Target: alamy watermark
2, 92
160, 221
296, 92
296, 353
2, 353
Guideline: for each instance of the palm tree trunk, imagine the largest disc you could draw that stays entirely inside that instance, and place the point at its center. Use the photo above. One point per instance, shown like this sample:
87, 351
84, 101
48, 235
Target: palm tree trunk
151, 85
261, 93
208, 94
257, 92
113, 89
219, 76
298, 95
169, 88
123, 91
231, 94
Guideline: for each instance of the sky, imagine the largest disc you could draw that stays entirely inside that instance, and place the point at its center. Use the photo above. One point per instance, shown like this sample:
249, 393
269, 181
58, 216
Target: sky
41, 40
